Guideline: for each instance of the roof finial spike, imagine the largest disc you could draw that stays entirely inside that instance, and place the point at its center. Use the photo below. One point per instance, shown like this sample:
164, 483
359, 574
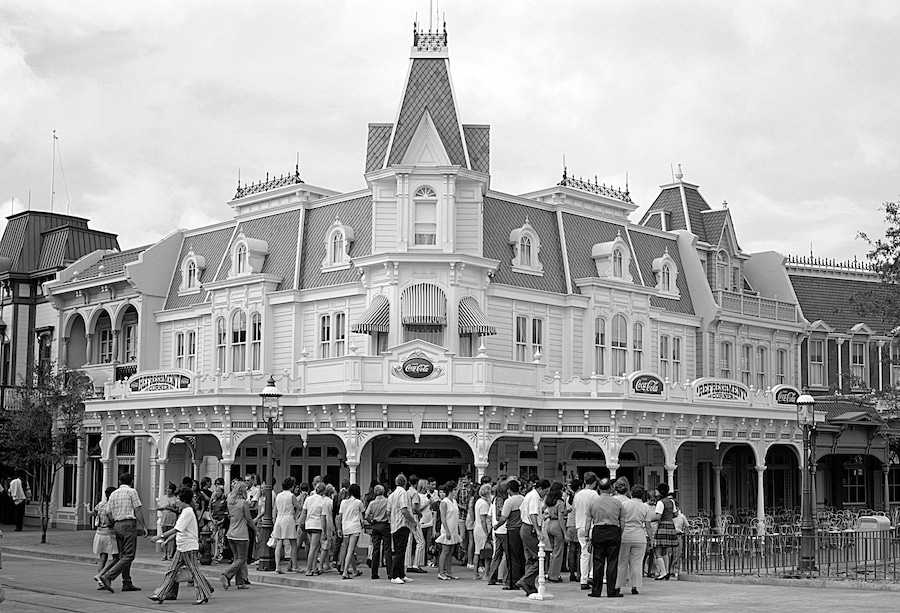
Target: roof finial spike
626, 181
239, 178
564, 167
724, 204
679, 175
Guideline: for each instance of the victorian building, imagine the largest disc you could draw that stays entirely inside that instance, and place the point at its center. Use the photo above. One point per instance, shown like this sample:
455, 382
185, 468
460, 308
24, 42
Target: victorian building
34, 247
432, 325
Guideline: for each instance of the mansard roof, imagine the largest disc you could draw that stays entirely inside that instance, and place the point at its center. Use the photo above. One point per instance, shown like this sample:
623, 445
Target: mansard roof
355, 213
502, 216
39, 240
478, 144
279, 230
376, 147
830, 299
211, 246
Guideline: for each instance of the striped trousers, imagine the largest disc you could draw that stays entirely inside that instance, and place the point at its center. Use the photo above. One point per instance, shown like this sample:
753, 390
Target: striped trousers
190, 560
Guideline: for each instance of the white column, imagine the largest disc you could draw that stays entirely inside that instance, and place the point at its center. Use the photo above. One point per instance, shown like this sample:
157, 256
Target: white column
161, 482
670, 475
107, 475
353, 466
480, 468
840, 364
88, 348
886, 469
717, 491
760, 498
613, 467
226, 474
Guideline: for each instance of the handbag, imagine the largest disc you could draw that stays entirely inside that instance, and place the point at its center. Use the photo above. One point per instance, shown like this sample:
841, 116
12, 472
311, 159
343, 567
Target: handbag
271, 542
183, 575
488, 552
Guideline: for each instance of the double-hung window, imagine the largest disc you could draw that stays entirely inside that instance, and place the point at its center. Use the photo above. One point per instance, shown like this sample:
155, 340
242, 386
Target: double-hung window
529, 338
638, 346
664, 362
746, 351
332, 335
221, 339
599, 345
725, 360
817, 363
761, 368
619, 345
858, 363
106, 346
239, 342
676, 358
781, 367
255, 342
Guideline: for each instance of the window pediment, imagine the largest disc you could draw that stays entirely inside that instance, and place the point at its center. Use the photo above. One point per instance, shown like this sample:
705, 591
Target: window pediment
613, 260
338, 239
666, 272
248, 255
192, 268
526, 246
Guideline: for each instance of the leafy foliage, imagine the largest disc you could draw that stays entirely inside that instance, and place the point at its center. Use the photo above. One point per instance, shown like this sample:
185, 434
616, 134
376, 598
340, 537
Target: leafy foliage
41, 429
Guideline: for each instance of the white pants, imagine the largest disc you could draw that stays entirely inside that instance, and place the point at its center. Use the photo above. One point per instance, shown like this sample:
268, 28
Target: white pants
586, 556
415, 534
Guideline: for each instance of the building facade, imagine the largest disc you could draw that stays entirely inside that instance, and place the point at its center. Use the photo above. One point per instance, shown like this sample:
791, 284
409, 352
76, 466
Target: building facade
432, 325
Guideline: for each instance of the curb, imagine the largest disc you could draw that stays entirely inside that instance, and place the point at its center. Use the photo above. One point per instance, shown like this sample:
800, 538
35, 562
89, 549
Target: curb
838, 584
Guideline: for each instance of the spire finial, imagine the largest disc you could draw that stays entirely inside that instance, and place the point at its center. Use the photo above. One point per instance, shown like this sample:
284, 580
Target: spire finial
626, 182
679, 175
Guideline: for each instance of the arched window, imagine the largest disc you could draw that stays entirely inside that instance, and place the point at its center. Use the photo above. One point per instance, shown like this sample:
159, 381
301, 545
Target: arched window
191, 281
617, 263
221, 339
666, 278
525, 251
238, 342
619, 345
599, 345
255, 342
338, 239
638, 345
425, 217
240, 259
337, 246
526, 246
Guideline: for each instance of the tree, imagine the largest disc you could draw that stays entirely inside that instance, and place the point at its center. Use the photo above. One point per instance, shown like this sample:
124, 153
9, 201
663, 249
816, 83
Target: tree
41, 429
884, 303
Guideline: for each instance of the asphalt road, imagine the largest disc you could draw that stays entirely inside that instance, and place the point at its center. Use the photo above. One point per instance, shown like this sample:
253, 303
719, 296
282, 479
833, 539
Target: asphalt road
48, 586
35, 585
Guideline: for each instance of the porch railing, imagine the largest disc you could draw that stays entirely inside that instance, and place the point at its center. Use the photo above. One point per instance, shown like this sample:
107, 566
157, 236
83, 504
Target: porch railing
847, 555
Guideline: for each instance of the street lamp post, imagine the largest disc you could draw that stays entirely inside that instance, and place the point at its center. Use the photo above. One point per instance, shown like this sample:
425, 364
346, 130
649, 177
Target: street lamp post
806, 417
270, 399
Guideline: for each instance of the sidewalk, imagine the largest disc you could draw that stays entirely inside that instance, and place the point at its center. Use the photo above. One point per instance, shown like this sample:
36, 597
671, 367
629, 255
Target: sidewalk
693, 595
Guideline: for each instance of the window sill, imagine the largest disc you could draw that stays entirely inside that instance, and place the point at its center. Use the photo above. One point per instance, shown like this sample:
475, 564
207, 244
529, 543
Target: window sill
336, 267
528, 271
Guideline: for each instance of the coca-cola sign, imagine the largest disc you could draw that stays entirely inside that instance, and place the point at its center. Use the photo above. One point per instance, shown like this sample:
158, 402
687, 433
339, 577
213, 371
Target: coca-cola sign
647, 384
784, 394
418, 368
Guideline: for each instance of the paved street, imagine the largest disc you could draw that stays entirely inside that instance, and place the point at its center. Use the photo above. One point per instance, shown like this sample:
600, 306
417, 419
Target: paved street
57, 577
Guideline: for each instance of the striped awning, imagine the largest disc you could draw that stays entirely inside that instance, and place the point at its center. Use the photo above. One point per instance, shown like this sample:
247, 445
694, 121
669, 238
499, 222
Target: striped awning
472, 319
423, 304
377, 317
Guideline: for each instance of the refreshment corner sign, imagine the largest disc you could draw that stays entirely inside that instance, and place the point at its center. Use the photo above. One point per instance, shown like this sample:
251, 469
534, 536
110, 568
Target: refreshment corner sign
721, 390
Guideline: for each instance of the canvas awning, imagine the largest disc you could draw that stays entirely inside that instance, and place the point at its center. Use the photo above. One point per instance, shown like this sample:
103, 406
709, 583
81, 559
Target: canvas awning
377, 317
423, 304
472, 319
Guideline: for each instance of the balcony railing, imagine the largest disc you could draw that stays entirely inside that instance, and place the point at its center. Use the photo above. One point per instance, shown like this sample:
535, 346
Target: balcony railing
754, 306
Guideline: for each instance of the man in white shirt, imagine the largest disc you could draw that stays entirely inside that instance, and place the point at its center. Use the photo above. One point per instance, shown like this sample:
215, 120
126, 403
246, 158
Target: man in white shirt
531, 528
401, 521
19, 497
581, 505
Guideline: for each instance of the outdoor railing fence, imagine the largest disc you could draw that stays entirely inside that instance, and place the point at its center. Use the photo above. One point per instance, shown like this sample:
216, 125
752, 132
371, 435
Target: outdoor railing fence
846, 554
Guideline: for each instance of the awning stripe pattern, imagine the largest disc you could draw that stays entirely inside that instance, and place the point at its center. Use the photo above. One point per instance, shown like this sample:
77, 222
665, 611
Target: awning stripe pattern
423, 304
377, 317
472, 319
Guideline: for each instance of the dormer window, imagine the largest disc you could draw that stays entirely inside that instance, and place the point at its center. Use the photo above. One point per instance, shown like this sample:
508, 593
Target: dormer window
337, 247
526, 246
240, 260
425, 217
613, 260
617, 263
191, 268
666, 271
248, 255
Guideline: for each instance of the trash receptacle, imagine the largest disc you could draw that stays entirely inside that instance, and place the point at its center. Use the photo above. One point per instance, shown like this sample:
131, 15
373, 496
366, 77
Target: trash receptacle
874, 535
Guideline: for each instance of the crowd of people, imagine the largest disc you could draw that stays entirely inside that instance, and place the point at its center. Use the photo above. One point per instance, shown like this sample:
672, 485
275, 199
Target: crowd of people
597, 530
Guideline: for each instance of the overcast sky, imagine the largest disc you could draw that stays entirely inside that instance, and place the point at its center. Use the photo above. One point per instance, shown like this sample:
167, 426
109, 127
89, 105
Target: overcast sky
790, 111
